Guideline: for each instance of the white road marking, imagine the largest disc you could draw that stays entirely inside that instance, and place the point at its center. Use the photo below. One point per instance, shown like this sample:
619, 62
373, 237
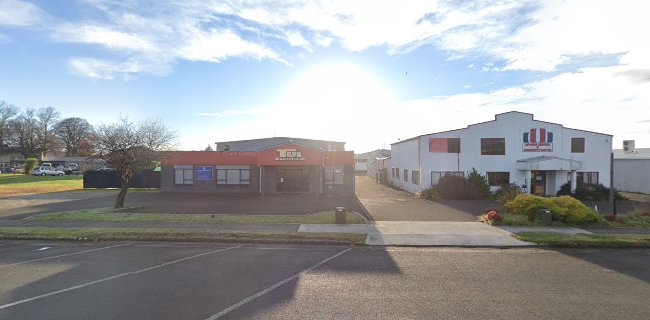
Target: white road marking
111, 278
44, 248
61, 255
273, 287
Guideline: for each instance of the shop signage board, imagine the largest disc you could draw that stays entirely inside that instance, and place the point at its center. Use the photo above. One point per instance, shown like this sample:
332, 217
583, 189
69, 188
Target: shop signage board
538, 140
289, 155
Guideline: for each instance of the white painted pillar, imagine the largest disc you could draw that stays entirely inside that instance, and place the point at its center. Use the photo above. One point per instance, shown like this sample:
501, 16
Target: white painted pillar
574, 181
529, 181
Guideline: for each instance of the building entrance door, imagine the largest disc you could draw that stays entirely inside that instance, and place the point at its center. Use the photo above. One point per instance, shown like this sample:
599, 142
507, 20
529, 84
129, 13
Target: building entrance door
293, 180
538, 183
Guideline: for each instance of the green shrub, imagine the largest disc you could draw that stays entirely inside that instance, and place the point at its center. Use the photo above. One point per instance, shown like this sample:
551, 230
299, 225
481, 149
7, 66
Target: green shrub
565, 208
454, 187
478, 185
30, 163
507, 193
589, 192
430, 193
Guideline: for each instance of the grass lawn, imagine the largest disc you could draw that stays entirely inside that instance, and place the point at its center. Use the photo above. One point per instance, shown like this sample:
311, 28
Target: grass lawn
586, 240
110, 214
108, 234
11, 184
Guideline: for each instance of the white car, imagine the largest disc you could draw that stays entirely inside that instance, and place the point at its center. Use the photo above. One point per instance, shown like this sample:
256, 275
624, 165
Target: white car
47, 171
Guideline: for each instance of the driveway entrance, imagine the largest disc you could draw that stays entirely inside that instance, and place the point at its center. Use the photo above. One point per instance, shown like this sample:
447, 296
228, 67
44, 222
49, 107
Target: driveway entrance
386, 204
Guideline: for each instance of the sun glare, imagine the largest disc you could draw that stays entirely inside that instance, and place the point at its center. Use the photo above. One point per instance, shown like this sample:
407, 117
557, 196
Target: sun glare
336, 94
337, 86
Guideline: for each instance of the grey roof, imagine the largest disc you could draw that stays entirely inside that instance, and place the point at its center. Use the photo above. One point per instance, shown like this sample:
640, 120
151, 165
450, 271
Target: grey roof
638, 153
376, 154
265, 143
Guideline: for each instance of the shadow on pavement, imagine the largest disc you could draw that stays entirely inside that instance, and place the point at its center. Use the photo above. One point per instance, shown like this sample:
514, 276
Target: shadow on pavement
633, 265
197, 288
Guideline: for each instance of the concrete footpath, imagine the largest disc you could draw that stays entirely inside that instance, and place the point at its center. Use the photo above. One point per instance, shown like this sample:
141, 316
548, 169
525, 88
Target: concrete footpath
379, 233
425, 233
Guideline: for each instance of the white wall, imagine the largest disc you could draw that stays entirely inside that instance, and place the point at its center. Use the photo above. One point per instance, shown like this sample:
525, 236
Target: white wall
632, 175
510, 126
405, 156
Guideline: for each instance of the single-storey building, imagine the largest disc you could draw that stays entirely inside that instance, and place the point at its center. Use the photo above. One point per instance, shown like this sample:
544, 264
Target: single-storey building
362, 161
514, 148
632, 168
262, 166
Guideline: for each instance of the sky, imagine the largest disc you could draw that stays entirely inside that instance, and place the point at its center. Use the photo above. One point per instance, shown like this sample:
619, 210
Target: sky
364, 72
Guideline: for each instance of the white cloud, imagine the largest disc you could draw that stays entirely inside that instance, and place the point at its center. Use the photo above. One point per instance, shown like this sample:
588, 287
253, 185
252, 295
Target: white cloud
17, 13
103, 69
104, 36
216, 45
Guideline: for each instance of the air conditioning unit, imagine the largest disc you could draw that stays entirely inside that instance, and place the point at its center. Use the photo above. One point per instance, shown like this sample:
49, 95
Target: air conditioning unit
628, 146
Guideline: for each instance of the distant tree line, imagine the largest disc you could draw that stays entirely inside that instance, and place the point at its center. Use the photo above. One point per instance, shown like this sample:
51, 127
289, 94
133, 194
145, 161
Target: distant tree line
31, 132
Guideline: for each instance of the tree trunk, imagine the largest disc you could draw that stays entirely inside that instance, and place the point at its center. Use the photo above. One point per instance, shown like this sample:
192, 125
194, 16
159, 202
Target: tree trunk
119, 202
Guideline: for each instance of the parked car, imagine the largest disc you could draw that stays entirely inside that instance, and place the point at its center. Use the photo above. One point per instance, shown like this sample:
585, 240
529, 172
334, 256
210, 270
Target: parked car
9, 170
47, 171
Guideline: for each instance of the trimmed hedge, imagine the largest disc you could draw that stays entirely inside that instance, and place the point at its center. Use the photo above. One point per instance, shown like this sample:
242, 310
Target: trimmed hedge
565, 208
589, 192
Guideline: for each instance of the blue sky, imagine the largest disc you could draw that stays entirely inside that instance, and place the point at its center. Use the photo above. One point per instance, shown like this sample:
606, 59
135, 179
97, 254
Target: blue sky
364, 72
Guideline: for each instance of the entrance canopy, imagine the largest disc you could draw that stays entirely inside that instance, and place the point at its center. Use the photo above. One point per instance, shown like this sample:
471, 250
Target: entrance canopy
548, 163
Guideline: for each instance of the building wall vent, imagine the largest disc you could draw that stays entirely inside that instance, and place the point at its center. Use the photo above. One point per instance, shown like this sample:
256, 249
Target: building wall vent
628, 146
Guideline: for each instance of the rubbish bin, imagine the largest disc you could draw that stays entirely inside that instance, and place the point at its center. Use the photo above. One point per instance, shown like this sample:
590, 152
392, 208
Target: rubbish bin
544, 216
340, 215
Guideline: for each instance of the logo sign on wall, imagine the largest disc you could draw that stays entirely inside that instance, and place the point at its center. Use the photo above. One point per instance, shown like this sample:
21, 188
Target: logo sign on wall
289, 155
538, 140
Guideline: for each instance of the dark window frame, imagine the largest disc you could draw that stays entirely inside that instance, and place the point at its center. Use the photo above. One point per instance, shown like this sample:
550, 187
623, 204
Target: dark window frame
453, 145
185, 180
498, 178
488, 146
415, 177
578, 145
241, 181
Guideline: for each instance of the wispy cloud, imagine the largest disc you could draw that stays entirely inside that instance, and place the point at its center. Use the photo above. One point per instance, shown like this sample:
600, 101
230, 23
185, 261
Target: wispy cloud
15, 13
512, 34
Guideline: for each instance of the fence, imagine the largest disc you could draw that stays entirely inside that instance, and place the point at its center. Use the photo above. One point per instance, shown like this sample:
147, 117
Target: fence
110, 179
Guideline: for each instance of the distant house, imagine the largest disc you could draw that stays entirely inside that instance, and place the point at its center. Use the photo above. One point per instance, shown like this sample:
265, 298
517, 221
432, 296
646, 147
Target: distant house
57, 159
362, 160
632, 168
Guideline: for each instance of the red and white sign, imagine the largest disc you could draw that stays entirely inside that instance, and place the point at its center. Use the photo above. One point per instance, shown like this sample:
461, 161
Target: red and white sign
538, 140
289, 155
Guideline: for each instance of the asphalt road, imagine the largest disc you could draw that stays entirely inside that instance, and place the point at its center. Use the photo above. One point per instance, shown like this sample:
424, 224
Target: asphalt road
209, 281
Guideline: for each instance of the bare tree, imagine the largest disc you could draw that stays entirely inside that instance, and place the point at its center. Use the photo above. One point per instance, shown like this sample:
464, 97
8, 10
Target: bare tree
47, 119
76, 134
129, 147
7, 113
25, 133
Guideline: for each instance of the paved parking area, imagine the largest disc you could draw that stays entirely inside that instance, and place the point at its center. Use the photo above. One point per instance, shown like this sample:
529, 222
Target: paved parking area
222, 281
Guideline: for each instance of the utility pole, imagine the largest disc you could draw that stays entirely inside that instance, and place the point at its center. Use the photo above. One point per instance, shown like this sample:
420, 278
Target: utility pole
612, 203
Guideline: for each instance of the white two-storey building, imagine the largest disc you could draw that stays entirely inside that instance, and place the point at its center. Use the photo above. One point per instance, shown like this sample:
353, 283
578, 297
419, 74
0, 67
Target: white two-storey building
514, 148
